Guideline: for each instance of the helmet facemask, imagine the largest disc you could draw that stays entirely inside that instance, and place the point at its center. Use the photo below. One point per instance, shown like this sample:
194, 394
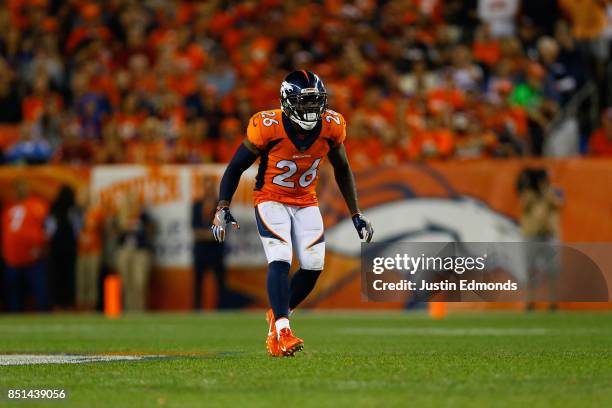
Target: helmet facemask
306, 108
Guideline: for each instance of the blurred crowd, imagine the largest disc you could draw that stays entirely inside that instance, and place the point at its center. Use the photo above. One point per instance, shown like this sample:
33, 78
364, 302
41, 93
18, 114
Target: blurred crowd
55, 255
155, 81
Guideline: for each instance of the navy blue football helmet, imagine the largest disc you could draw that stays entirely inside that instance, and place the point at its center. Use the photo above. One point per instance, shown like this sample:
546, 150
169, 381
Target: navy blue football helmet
303, 98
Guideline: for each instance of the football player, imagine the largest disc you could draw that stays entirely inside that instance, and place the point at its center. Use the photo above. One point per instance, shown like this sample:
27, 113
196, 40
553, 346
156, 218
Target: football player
291, 143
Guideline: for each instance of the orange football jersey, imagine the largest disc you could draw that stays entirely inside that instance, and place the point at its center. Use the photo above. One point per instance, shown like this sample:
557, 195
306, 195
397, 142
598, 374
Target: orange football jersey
289, 162
23, 231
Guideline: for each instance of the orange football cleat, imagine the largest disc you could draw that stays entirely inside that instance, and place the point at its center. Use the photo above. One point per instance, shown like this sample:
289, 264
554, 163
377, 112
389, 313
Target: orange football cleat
288, 344
272, 340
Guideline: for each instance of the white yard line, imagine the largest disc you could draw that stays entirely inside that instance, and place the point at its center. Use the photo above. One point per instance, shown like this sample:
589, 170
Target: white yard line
474, 331
28, 359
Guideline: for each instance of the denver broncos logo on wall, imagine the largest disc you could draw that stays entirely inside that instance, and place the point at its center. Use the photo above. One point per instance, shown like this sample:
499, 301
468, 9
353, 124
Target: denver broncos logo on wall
410, 202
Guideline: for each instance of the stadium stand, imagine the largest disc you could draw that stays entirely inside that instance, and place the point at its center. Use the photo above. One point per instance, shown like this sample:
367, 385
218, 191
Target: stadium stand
176, 81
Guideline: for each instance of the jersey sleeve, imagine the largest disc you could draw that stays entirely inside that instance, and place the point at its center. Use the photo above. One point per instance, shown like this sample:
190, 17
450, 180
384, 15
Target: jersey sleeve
337, 127
342, 131
255, 133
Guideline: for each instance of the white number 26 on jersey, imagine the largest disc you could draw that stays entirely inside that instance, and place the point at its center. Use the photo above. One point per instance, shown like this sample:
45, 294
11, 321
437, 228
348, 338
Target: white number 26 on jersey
267, 118
305, 179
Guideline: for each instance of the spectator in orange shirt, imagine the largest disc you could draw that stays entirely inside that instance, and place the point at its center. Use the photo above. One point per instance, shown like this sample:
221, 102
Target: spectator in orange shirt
393, 145
194, 146
260, 49
135, 45
300, 16
446, 95
412, 113
229, 141
74, 149
188, 54
24, 245
130, 116
264, 91
472, 141
112, 149
362, 148
600, 143
89, 253
179, 78
434, 142
374, 111
141, 75
33, 105
486, 48
149, 148
89, 29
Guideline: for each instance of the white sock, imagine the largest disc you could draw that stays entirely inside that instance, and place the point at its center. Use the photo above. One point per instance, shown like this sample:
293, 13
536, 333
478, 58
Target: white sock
282, 323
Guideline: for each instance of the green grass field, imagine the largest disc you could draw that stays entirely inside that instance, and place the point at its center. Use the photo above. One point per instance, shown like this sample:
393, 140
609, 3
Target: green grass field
350, 359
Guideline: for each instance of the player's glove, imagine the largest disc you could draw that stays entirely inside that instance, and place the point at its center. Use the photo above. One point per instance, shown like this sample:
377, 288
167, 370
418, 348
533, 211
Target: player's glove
223, 217
363, 227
